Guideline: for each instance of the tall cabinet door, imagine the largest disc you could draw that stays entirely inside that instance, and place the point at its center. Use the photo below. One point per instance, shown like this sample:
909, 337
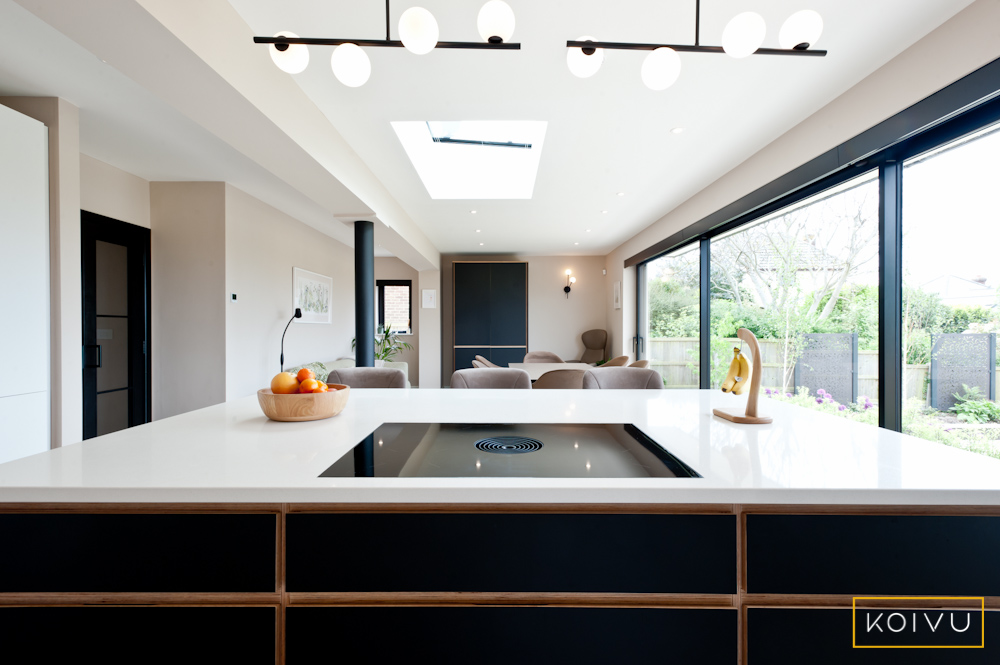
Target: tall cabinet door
491, 312
509, 304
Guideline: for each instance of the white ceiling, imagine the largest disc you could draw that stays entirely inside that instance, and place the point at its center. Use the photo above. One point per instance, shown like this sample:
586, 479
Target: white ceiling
605, 134
170, 103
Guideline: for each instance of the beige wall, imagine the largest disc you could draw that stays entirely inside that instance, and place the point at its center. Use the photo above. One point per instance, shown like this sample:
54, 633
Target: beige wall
66, 369
393, 268
109, 191
429, 324
958, 47
188, 295
262, 245
555, 322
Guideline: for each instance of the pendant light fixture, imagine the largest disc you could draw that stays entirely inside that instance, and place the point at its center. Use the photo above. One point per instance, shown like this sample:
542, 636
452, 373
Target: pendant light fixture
742, 37
418, 33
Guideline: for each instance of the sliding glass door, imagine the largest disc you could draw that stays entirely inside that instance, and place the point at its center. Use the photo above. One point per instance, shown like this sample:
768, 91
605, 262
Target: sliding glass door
671, 330
951, 275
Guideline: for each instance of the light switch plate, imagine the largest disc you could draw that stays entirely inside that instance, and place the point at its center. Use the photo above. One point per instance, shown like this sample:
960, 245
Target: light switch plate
428, 299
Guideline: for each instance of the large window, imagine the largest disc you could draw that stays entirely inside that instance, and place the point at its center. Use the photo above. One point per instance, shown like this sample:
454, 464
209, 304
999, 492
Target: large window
867, 274
671, 341
805, 281
951, 273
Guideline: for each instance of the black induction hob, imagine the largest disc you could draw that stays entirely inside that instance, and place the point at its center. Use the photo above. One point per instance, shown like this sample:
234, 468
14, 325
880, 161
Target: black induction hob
455, 450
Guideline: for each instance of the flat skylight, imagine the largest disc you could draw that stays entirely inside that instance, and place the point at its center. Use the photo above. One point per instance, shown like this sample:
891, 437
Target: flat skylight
479, 159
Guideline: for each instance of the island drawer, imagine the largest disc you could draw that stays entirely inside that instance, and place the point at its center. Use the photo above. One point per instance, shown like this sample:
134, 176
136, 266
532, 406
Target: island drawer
823, 636
489, 552
161, 634
873, 554
503, 635
138, 552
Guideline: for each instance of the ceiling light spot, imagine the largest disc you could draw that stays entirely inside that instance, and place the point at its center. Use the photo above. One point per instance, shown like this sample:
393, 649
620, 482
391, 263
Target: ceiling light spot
677, 130
480, 244
576, 243
604, 212
588, 230
621, 193
477, 230
473, 212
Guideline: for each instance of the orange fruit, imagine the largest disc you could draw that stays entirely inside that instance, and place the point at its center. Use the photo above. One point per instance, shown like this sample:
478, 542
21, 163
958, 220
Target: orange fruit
284, 384
305, 373
308, 386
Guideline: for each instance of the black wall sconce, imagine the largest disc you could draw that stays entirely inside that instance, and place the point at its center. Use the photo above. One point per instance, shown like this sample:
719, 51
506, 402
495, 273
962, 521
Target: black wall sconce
569, 281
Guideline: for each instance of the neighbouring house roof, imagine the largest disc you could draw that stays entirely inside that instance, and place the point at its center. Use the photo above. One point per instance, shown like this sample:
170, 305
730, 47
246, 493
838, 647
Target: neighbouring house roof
955, 290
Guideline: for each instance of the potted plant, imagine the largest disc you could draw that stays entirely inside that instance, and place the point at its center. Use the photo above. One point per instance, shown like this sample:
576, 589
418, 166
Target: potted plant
387, 344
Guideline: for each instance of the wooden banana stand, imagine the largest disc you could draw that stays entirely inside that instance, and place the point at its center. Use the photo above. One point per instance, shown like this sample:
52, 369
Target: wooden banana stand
750, 417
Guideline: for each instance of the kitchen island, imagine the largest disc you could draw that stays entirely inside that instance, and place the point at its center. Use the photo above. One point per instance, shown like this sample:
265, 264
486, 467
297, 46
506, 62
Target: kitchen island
221, 510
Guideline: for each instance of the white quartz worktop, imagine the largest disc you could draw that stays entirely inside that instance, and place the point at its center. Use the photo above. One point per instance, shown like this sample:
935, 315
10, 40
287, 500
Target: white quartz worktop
232, 453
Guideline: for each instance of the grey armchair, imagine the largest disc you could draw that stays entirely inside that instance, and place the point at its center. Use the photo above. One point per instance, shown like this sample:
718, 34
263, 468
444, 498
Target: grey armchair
368, 377
622, 378
500, 377
595, 341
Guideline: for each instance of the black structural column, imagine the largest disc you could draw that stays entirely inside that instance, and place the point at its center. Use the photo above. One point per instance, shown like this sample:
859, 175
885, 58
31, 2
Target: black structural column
364, 294
890, 295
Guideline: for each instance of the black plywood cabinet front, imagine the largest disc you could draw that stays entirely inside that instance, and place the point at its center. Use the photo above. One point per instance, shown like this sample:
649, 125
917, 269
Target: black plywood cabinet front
506, 635
823, 636
131, 635
942, 555
614, 553
491, 311
112, 553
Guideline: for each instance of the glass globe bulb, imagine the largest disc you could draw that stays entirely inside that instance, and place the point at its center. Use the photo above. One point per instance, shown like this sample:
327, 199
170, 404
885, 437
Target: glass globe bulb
418, 30
293, 59
743, 34
581, 64
802, 27
351, 65
496, 19
661, 68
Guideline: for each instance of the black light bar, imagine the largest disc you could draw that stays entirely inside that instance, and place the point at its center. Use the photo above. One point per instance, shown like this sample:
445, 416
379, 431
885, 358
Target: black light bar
393, 43
589, 47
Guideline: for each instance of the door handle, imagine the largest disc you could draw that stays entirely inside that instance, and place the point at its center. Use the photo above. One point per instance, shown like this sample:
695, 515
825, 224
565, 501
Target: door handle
91, 351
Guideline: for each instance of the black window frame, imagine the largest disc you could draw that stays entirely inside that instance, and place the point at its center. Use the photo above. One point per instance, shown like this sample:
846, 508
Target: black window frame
380, 285
956, 111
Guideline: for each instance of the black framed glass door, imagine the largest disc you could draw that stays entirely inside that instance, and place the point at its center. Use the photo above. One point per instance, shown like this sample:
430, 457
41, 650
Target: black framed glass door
116, 322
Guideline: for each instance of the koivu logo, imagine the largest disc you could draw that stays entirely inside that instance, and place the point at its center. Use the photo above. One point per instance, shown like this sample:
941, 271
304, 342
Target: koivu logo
918, 628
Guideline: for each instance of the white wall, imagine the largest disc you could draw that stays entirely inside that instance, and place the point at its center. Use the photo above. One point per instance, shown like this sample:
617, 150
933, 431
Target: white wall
262, 245
393, 268
188, 336
958, 47
109, 191
555, 322
65, 304
24, 274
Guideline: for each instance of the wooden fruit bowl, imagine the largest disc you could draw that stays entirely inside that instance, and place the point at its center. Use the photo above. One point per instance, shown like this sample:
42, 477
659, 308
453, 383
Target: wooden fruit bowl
304, 406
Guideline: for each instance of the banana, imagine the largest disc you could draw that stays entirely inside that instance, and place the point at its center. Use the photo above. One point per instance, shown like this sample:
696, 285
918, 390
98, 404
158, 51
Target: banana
743, 380
734, 372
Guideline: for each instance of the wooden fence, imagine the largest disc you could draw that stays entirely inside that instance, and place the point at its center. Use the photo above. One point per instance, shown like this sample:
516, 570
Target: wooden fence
676, 358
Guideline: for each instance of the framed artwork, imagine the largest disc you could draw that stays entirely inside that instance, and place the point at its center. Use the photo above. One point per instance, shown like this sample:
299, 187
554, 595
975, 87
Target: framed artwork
618, 295
313, 293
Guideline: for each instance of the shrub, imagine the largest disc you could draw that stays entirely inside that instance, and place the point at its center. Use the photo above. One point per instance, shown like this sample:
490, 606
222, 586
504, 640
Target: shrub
973, 407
